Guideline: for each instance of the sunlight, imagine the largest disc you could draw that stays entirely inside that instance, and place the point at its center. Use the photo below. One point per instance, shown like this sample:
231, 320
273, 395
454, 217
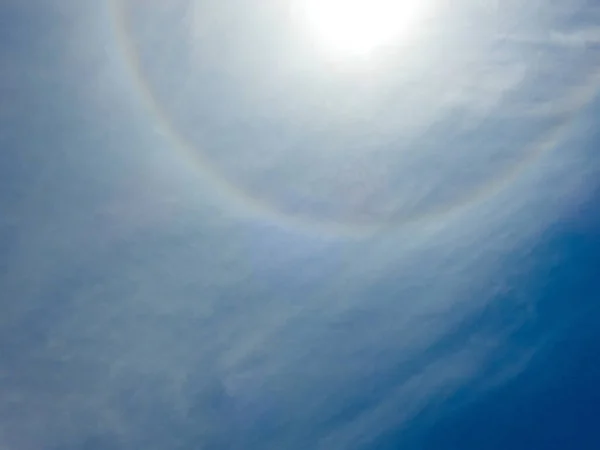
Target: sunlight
347, 28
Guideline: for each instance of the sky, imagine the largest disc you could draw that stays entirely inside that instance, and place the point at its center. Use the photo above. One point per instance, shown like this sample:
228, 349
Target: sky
217, 233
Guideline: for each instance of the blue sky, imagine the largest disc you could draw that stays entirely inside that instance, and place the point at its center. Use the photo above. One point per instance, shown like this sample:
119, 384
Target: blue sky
212, 237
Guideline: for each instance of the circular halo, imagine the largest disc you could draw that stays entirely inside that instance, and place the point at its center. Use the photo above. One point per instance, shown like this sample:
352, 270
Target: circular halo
246, 201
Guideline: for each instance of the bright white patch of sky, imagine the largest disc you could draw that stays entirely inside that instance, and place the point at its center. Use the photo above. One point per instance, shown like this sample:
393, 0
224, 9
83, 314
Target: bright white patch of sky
357, 28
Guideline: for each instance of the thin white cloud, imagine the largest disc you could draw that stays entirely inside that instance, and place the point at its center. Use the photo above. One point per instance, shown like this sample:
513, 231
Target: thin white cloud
163, 324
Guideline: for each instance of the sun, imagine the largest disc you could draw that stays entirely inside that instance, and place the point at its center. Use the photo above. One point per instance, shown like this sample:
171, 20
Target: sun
347, 28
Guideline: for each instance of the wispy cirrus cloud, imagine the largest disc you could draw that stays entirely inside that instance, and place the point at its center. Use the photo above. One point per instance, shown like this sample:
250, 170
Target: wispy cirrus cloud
133, 321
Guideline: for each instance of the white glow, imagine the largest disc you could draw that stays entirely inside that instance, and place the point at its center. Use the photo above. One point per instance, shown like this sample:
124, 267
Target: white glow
357, 27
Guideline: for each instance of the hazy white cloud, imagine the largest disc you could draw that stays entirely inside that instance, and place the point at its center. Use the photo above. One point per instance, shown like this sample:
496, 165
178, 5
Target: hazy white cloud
151, 318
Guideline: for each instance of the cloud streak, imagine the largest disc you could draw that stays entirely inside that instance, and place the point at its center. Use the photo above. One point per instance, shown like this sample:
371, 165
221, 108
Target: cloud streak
149, 318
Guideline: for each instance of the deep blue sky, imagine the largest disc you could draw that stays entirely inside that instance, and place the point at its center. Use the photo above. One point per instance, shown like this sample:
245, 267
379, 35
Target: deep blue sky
210, 238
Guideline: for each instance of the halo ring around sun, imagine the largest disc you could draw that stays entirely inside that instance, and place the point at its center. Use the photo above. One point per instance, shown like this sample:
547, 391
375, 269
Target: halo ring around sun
246, 204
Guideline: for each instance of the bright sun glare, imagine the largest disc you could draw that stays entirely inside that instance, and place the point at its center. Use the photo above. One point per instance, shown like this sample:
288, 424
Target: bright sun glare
358, 27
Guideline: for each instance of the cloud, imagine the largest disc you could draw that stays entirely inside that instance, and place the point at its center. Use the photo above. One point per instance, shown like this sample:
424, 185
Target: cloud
147, 317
